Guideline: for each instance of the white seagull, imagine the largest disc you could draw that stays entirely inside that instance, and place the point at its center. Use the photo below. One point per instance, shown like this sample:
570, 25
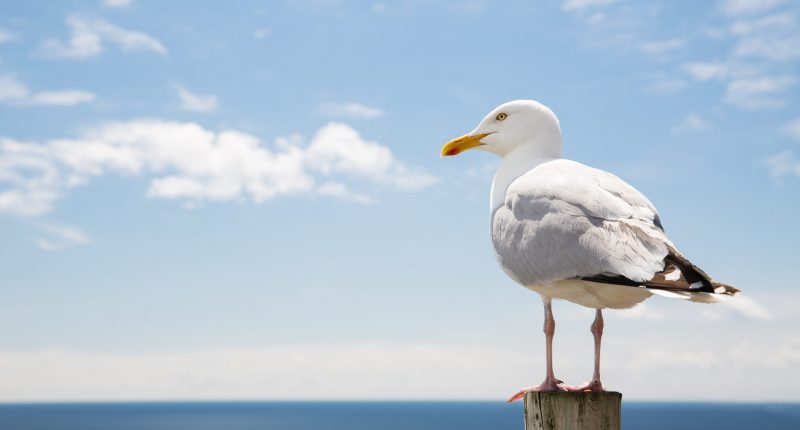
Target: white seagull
573, 232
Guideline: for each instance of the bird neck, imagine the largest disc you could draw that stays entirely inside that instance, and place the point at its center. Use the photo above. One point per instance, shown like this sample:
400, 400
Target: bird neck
515, 164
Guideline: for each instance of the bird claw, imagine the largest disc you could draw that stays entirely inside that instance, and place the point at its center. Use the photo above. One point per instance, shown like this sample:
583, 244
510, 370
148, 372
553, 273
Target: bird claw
594, 386
549, 384
553, 384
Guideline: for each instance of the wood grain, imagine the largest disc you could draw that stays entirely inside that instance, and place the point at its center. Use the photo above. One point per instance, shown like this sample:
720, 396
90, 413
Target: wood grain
573, 411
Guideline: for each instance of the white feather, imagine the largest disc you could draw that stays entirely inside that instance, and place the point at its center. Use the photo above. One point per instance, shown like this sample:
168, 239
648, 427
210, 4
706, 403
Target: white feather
562, 220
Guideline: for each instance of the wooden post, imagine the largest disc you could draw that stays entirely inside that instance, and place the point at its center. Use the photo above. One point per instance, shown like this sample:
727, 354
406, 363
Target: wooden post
572, 411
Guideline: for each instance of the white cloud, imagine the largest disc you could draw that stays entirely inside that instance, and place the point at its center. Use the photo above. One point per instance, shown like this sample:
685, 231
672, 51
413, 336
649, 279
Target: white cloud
692, 123
741, 306
88, 35
779, 21
69, 234
185, 161
575, 5
660, 47
117, 3
744, 306
62, 97
754, 70
743, 354
195, 102
782, 164
15, 92
349, 371
704, 71
351, 110
753, 74
792, 129
753, 59
61, 237
750, 85
11, 89
618, 28
664, 85
47, 245
338, 148
742, 7
758, 93
774, 37
363, 370
32, 182
668, 341
673, 358
262, 33
342, 191
776, 49
6, 36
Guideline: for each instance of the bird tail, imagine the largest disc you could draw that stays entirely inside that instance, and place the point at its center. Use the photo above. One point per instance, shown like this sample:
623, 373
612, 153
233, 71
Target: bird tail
721, 292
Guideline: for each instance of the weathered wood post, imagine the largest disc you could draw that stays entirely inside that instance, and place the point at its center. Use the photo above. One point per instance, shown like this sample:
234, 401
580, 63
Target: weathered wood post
573, 411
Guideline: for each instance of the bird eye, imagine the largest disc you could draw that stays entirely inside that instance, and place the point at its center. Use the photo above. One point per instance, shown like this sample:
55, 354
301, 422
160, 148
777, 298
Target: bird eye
501, 116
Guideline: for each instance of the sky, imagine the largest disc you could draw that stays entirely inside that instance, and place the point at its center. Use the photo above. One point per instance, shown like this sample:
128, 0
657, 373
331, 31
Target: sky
247, 202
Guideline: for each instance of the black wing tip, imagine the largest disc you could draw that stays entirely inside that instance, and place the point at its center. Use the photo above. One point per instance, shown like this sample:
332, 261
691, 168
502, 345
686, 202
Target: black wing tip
728, 290
712, 287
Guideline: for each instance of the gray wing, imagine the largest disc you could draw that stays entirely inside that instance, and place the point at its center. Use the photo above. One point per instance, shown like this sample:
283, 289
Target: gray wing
565, 220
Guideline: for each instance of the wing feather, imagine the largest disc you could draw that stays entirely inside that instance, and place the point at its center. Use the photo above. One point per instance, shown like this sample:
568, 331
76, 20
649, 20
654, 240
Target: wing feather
564, 220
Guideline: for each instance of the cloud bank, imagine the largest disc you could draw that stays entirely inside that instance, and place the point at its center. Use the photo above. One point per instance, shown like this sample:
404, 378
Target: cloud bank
402, 370
188, 162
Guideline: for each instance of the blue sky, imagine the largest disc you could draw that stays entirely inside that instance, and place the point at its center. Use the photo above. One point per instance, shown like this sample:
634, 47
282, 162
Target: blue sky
248, 201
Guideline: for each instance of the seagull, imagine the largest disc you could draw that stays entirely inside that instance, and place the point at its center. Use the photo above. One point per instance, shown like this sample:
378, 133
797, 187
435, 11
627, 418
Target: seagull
572, 232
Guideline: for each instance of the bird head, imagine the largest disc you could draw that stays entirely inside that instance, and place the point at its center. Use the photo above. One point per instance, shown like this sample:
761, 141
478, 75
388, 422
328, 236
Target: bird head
510, 126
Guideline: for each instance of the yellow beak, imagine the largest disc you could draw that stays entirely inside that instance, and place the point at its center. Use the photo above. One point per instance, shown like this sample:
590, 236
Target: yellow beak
457, 146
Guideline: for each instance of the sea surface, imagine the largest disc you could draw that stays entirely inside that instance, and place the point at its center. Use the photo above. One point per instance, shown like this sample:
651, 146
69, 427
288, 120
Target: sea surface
373, 415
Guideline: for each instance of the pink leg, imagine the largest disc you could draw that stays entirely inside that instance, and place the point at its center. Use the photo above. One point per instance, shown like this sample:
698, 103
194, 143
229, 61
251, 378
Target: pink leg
597, 332
550, 383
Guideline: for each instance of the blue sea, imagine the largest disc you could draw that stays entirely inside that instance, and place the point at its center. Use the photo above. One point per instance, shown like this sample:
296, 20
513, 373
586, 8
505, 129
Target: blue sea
373, 415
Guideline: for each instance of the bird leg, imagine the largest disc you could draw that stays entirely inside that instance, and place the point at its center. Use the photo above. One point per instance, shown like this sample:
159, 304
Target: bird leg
550, 383
597, 332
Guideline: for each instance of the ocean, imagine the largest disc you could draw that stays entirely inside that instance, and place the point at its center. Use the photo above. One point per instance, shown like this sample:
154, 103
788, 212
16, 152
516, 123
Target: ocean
373, 415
